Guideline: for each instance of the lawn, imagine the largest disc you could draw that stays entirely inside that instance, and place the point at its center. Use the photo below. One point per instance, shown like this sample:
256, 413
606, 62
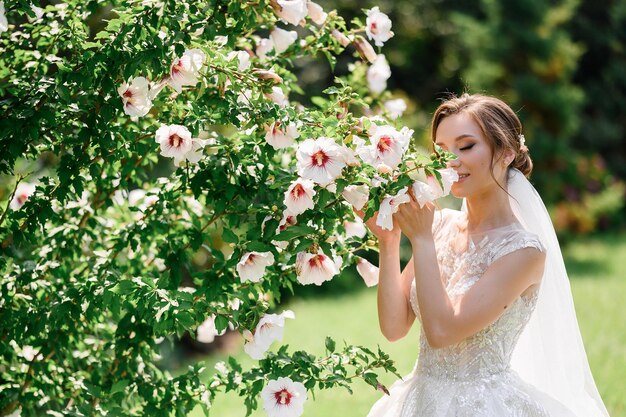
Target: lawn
598, 279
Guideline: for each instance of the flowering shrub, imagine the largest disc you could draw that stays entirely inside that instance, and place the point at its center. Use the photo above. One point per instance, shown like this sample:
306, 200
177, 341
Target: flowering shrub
106, 254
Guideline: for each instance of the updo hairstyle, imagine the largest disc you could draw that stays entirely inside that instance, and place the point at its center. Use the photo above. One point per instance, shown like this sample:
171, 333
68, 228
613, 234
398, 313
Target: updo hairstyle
498, 123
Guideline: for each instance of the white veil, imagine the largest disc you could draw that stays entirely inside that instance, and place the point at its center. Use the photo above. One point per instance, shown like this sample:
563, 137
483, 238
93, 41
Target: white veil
550, 354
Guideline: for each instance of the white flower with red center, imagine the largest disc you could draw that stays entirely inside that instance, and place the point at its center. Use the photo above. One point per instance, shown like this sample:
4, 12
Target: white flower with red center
299, 196
284, 398
320, 160
395, 107
387, 146
270, 328
278, 96
279, 136
389, 206
367, 271
357, 195
206, 332
288, 219
4, 23
23, 191
429, 191
378, 26
315, 268
378, 74
243, 59
185, 70
136, 97
175, 141
316, 13
291, 11
282, 39
355, 228
251, 266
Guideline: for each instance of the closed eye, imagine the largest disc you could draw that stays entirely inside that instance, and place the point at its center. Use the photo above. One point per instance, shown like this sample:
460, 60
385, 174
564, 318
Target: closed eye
467, 147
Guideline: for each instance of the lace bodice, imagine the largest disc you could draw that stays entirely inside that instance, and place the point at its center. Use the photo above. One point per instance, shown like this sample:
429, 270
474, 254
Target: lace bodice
489, 351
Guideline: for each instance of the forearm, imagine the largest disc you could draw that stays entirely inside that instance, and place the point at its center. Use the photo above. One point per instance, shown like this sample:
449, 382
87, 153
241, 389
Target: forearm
436, 309
392, 300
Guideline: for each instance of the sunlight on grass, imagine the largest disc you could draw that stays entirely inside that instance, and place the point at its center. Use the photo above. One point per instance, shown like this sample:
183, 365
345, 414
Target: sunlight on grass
598, 283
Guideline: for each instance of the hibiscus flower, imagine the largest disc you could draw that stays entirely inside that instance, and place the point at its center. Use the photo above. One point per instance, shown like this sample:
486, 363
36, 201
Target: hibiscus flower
284, 398
320, 160
252, 265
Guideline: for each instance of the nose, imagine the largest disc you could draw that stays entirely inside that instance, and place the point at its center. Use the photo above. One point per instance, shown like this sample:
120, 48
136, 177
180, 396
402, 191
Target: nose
454, 163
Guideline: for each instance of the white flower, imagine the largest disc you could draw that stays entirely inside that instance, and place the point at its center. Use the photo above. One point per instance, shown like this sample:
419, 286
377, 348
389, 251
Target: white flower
4, 24
378, 26
135, 96
320, 160
315, 268
395, 107
355, 228
448, 177
22, 192
263, 47
357, 195
185, 70
207, 331
269, 329
299, 196
389, 206
278, 96
38, 11
175, 141
349, 156
423, 193
195, 154
291, 11
288, 219
243, 58
252, 265
387, 146
280, 137
378, 74
316, 13
284, 398
282, 39
368, 272
29, 353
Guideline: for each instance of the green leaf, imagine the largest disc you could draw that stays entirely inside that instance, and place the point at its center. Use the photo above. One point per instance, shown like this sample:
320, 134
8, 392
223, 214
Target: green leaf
119, 386
330, 344
229, 237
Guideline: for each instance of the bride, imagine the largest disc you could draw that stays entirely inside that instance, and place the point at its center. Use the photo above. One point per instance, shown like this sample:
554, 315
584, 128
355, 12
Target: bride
499, 335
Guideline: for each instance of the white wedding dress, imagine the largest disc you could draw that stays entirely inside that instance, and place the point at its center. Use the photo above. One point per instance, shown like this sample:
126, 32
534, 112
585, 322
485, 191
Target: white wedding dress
473, 378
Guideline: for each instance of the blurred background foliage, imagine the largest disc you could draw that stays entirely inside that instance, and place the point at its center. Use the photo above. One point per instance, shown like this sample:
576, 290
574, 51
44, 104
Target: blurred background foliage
558, 63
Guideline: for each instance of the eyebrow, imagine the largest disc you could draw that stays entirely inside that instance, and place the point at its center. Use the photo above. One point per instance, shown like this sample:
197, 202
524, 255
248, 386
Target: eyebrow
458, 138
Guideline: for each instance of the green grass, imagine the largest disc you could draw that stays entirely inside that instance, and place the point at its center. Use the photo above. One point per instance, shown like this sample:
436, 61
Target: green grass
596, 268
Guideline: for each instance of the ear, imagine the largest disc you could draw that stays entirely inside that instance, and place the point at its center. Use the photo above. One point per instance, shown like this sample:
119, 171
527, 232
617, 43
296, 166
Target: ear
508, 156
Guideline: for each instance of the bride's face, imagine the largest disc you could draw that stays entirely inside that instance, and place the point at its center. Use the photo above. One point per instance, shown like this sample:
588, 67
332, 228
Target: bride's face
461, 135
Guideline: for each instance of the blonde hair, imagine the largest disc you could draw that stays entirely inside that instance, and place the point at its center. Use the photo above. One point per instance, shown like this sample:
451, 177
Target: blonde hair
498, 123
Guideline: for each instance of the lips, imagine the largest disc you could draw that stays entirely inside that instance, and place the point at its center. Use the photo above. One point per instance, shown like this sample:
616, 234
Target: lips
462, 177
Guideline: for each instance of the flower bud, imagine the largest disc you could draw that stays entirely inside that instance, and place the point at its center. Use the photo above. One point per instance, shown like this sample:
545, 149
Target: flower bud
340, 37
268, 75
364, 49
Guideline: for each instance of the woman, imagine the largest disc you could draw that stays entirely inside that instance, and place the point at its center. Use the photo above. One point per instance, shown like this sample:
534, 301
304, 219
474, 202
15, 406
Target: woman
499, 335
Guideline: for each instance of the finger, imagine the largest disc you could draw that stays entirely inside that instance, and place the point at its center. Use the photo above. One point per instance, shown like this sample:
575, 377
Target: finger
359, 213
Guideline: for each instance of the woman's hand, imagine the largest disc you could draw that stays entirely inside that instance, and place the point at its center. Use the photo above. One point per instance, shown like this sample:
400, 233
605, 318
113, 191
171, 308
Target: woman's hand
385, 236
415, 222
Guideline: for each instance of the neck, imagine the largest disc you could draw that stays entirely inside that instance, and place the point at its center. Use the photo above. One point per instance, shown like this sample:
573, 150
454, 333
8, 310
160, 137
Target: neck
489, 210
